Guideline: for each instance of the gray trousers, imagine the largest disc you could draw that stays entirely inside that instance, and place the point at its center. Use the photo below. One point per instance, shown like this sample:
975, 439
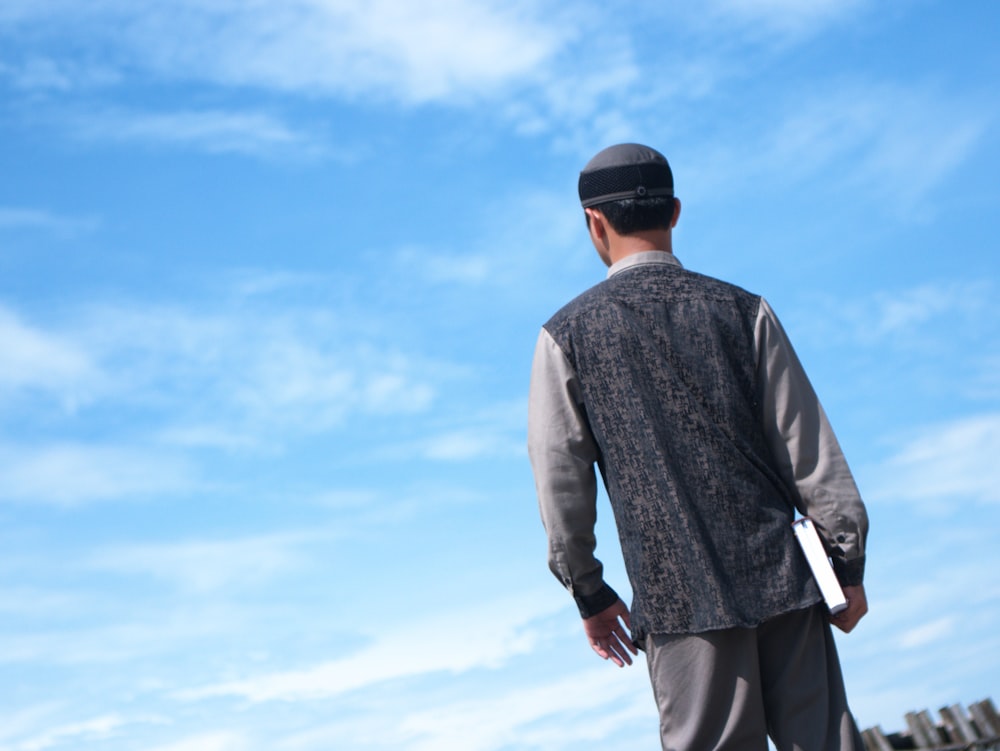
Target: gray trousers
730, 689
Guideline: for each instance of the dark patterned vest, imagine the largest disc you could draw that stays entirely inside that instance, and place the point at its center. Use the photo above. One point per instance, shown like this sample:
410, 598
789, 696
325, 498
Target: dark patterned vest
668, 372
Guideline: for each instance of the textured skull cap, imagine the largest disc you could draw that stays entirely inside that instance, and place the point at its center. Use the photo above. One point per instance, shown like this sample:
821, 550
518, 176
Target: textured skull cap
627, 170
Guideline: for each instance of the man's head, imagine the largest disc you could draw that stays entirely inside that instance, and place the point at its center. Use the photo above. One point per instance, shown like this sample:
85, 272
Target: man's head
627, 194
632, 186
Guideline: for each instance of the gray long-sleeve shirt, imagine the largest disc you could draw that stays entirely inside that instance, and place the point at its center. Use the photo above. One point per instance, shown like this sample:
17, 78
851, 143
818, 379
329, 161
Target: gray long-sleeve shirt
804, 454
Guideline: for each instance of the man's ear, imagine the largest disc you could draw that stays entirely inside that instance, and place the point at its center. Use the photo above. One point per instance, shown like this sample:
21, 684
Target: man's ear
597, 225
677, 213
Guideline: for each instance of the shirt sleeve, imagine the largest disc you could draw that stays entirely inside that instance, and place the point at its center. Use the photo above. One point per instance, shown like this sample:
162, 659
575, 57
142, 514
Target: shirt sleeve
806, 451
563, 454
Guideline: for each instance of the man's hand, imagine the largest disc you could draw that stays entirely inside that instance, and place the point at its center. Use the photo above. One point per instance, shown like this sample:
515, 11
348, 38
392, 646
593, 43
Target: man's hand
608, 637
857, 606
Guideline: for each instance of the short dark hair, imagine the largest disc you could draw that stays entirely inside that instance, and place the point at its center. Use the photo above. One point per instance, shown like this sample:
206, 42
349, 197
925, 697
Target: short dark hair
631, 215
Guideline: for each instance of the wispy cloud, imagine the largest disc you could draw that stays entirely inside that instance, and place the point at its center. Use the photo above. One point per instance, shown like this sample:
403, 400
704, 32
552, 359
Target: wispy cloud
540, 716
503, 629
892, 143
234, 378
107, 628
85, 731
42, 74
263, 282
203, 567
557, 712
442, 49
213, 131
910, 317
930, 605
42, 220
222, 740
925, 633
501, 259
784, 16
951, 320
912, 308
35, 359
496, 432
69, 474
531, 61
945, 467
469, 443
26, 601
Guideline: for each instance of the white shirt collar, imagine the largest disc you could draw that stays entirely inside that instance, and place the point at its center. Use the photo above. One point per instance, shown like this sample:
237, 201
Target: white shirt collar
645, 257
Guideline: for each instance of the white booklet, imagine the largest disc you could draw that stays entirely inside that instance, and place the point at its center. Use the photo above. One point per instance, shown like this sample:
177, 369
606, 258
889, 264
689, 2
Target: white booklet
829, 587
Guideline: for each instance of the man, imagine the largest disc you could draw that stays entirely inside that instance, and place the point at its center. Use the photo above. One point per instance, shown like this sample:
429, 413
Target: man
687, 395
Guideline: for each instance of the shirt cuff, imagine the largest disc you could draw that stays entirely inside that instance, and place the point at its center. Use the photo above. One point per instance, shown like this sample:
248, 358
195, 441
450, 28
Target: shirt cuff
602, 599
849, 573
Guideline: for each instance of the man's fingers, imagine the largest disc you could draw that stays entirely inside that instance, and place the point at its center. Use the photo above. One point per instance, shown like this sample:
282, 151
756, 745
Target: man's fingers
613, 650
605, 653
621, 637
846, 625
625, 639
618, 647
619, 656
857, 607
846, 620
609, 636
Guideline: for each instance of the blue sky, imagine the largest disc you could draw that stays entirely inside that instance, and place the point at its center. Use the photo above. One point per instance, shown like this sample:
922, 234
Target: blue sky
271, 275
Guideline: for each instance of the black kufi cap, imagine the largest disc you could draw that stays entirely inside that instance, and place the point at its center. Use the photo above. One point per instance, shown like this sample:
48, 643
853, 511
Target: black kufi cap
628, 170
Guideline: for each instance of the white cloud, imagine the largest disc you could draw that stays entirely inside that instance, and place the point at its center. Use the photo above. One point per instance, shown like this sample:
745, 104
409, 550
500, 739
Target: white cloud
205, 566
501, 629
912, 308
785, 16
21, 722
542, 67
931, 605
491, 434
537, 716
61, 225
41, 73
577, 74
503, 259
893, 142
18, 601
496, 431
237, 378
467, 269
415, 53
916, 316
945, 467
394, 393
86, 731
890, 143
287, 379
469, 443
263, 282
926, 633
68, 474
940, 338
114, 626
539, 712
346, 499
211, 741
208, 436
31, 358
213, 131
